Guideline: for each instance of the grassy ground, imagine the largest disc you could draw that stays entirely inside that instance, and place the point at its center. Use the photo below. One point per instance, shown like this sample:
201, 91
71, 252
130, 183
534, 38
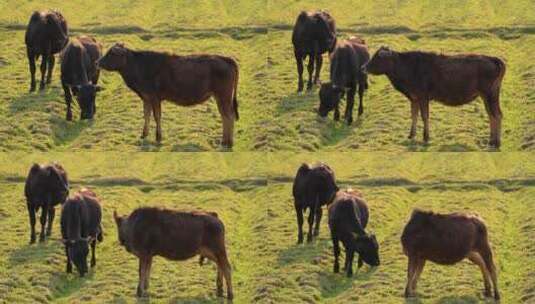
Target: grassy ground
252, 194
257, 33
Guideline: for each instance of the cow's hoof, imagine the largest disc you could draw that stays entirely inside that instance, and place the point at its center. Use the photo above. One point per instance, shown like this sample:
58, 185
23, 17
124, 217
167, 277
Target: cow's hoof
349, 274
497, 296
316, 232
93, 263
140, 293
41, 239
336, 269
32, 240
230, 296
42, 87
309, 239
349, 121
300, 241
32, 89
219, 291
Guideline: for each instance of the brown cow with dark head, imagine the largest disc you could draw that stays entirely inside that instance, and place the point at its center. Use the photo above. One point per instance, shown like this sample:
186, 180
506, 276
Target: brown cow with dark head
451, 80
183, 80
447, 239
174, 235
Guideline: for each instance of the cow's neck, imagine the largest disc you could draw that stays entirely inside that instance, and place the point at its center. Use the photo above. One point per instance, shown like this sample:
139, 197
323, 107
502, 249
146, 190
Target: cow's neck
130, 74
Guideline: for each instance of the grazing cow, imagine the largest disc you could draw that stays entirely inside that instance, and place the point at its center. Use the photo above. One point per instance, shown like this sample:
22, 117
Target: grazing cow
184, 80
80, 226
314, 33
79, 74
174, 235
46, 186
347, 60
348, 217
46, 35
451, 80
313, 187
447, 239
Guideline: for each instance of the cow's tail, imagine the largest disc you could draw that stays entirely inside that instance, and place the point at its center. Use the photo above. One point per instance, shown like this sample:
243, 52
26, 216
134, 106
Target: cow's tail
235, 93
201, 260
501, 72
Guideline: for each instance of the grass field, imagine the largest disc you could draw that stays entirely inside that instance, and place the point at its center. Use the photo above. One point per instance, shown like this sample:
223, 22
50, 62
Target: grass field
252, 194
273, 117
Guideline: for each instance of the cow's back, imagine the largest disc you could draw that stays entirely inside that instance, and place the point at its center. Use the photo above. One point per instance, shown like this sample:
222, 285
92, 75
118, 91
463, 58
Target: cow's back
78, 60
347, 60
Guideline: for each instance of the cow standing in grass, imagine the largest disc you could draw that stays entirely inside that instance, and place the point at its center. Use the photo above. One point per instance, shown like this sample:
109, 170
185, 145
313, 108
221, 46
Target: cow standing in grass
347, 60
81, 218
79, 74
313, 187
184, 80
447, 239
451, 80
314, 34
46, 35
174, 235
348, 217
46, 186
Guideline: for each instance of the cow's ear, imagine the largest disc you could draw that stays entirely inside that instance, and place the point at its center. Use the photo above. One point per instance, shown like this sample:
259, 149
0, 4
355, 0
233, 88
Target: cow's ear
99, 88
117, 218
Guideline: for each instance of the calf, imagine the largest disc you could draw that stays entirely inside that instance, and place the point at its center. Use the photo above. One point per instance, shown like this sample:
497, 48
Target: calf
313, 187
174, 235
80, 226
79, 74
347, 60
184, 80
447, 239
314, 33
348, 217
46, 35
451, 80
46, 186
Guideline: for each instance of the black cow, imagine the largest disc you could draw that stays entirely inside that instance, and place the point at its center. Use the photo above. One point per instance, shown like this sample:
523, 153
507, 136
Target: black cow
79, 74
46, 35
313, 187
347, 60
314, 33
348, 217
81, 218
46, 186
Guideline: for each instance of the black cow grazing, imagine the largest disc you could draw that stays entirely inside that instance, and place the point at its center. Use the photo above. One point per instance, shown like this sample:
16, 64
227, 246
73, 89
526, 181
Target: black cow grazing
183, 80
314, 33
451, 80
313, 187
46, 35
348, 217
46, 186
174, 235
347, 60
447, 239
79, 74
81, 218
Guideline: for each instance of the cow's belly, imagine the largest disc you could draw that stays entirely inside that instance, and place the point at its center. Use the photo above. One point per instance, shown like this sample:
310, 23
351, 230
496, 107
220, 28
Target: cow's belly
455, 95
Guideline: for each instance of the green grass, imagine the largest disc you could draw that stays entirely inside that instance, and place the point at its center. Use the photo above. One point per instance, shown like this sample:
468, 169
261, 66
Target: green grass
273, 117
252, 194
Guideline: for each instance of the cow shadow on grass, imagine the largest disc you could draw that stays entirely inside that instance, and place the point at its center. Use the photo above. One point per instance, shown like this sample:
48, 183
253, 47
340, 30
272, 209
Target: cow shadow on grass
306, 252
34, 101
65, 284
466, 299
36, 252
333, 284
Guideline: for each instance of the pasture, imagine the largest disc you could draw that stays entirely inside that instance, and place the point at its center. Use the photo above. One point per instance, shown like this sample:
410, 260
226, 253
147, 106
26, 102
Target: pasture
251, 192
273, 117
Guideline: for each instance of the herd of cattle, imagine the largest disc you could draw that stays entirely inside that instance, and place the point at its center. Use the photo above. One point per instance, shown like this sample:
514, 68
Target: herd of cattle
192, 79
177, 235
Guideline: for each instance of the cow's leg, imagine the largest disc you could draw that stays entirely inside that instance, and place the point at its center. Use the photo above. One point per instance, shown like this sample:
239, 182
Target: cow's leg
93, 247
319, 213
492, 105
310, 223
360, 262
31, 212
475, 258
350, 103
362, 88
51, 62
337, 111
299, 212
31, 61
299, 61
68, 99
310, 67
157, 112
147, 108
417, 272
44, 213
486, 254
226, 110
336, 251
51, 214
69, 264
319, 63
224, 266
44, 61
424, 109
144, 267
415, 109
411, 268
219, 282
350, 255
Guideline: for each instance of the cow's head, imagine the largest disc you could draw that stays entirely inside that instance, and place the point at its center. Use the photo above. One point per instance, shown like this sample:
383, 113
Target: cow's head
78, 251
382, 62
122, 233
115, 59
368, 249
329, 98
53, 178
86, 95
325, 34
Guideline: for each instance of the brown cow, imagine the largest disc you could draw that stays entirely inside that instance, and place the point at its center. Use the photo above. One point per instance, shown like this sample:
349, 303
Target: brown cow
451, 80
183, 80
174, 235
447, 239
